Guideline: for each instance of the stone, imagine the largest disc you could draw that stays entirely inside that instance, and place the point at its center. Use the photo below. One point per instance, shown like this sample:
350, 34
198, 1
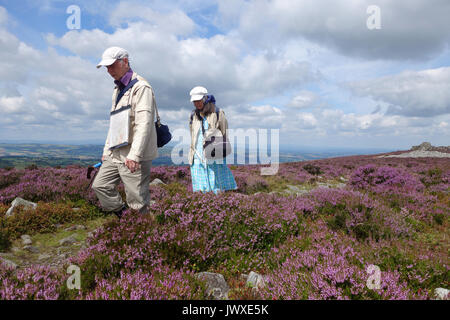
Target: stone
255, 280
63, 256
26, 240
424, 146
8, 263
20, 202
244, 277
441, 294
31, 249
67, 241
76, 227
291, 189
156, 182
44, 256
76, 209
216, 286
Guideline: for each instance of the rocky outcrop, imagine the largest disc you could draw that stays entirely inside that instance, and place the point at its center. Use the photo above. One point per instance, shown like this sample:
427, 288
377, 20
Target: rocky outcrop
442, 294
26, 240
255, 281
68, 241
156, 182
216, 286
426, 146
20, 202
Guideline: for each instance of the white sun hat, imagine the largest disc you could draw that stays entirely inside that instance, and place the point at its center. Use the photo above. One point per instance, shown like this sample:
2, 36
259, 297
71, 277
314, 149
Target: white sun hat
111, 55
198, 93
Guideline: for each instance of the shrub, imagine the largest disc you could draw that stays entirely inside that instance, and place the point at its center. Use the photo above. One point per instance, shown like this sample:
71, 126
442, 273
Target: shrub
256, 184
32, 167
312, 169
45, 217
5, 243
383, 179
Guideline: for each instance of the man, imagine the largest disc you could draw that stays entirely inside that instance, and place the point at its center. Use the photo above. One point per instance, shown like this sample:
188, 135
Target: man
129, 161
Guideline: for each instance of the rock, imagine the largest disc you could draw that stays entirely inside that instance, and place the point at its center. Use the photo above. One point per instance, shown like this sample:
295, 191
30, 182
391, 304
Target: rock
76, 209
31, 249
152, 202
26, 240
63, 256
67, 241
255, 280
156, 182
20, 202
77, 227
293, 188
8, 263
424, 146
441, 294
15, 249
44, 256
216, 286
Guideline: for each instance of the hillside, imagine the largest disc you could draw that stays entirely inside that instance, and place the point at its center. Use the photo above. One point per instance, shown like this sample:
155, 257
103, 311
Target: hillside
311, 231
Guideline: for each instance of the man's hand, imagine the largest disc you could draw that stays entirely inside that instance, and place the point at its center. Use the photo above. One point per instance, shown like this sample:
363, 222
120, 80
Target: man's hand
132, 165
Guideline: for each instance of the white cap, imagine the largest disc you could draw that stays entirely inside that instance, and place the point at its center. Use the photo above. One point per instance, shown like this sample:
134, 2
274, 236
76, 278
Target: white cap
198, 93
111, 55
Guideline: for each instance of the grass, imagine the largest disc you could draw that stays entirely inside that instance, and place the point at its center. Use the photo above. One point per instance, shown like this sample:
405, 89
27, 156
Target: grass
48, 243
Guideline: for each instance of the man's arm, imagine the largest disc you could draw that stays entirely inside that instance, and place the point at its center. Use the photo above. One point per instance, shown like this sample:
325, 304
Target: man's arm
143, 120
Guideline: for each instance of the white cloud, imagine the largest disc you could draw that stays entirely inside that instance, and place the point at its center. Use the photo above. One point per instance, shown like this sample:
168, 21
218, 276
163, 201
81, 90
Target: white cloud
12, 104
305, 99
276, 64
412, 29
411, 93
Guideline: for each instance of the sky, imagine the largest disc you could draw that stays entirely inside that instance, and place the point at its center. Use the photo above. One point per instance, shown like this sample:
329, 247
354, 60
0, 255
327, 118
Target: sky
325, 73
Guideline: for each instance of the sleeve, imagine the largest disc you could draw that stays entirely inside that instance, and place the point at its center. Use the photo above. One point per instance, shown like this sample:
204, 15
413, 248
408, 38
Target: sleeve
144, 118
223, 123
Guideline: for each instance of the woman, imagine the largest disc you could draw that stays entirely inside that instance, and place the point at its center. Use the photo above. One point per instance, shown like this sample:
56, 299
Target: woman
207, 175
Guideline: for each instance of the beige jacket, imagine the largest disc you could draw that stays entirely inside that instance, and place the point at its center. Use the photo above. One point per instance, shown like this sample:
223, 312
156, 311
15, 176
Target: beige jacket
142, 141
213, 124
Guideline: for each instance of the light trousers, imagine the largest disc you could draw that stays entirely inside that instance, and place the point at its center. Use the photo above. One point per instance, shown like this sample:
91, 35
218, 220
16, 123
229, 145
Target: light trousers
136, 185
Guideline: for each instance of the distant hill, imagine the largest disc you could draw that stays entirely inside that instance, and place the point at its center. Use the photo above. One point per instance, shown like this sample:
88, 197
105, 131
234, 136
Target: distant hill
21, 155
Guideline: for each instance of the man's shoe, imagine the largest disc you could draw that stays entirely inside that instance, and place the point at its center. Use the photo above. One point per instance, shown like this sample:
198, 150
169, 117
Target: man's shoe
120, 212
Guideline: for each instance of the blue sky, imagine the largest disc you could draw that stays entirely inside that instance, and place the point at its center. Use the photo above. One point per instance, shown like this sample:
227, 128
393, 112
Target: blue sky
311, 69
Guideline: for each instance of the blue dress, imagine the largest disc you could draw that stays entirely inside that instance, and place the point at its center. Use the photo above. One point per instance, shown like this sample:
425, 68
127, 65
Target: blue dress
211, 176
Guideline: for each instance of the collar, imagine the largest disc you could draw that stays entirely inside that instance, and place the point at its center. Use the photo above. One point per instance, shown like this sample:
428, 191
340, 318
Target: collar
125, 80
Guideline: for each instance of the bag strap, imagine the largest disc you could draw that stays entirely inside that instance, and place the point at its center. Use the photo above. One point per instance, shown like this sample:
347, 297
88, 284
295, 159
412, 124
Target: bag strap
128, 87
158, 119
122, 92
